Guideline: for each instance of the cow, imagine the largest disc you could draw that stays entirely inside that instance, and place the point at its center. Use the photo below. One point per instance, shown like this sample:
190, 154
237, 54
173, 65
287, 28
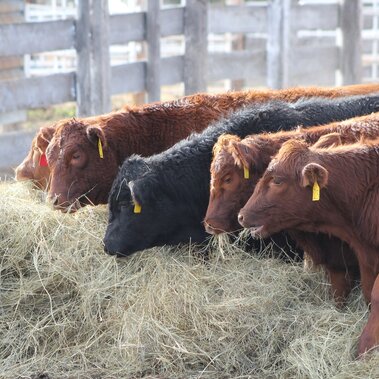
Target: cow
81, 174
230, 189
34, 167
333, 191
170, 191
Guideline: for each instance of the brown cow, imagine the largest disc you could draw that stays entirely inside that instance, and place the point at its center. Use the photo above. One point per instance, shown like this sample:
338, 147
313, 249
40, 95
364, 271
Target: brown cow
230, 189
30, 169
333, 191
79, 175
34, 167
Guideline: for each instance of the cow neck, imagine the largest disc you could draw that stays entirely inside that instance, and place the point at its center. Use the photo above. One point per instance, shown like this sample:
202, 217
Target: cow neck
185, 174
123, 138
348, 192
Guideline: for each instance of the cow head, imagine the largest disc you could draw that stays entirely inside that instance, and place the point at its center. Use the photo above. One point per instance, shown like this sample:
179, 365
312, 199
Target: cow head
82, 163
34, 167
236, 168
286, 195
142, 213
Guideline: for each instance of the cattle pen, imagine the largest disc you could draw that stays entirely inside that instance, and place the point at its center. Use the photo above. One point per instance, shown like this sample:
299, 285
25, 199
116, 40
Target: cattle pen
284, 43
172, 306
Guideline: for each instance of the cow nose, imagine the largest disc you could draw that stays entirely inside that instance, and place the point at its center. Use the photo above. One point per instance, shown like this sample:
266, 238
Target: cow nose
240, 218
54, 200
209, 227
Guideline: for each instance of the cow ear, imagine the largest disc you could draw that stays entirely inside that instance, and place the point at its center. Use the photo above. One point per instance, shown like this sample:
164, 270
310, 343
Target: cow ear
312, 173
94, 134
143, 190
44, 137
329, 140
243, 154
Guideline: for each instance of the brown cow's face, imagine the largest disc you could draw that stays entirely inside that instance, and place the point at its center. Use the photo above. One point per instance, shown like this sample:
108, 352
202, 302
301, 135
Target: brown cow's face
283, 197
34, 167
229, 192
79, 175
235, 170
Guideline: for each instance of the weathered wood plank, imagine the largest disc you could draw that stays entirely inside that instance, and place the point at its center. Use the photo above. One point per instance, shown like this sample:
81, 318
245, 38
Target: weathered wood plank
93, 79
14, 146
315, 16
237, 65
238, 19
132, 26
153, 39
172, 21
36, 92
172, 70
314, 65
196, 37
12, 117
129, 77
35, 37
124, 28
351, 27
278, 26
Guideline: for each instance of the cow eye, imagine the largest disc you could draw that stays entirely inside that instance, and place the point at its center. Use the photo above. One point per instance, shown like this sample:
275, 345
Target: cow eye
75, 156
276, 180
227, 179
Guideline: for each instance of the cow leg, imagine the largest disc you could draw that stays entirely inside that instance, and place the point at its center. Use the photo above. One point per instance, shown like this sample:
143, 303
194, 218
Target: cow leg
370, 335
342, 283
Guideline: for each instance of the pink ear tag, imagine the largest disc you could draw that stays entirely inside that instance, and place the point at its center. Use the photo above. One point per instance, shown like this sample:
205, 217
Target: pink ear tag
43, 160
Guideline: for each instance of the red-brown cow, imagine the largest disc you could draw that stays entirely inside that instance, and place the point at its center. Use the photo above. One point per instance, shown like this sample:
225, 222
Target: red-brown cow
230, 189
34, 167
238, 164
79, 175
333, 191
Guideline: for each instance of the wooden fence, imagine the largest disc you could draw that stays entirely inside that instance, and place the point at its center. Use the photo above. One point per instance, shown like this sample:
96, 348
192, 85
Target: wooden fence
285, 52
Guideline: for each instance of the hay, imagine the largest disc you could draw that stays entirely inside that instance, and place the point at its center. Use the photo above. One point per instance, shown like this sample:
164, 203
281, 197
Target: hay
70, 311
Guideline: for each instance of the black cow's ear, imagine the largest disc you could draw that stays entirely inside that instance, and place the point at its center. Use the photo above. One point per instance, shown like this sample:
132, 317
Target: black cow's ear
143, 190
313, 172
96, 134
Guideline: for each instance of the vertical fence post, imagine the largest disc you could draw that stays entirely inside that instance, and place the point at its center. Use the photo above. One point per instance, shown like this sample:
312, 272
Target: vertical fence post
351, 30
94, 70
196, 37
153, 34
278, 41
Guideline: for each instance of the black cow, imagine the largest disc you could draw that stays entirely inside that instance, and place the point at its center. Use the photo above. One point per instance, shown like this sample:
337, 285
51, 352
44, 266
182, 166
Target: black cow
162, 199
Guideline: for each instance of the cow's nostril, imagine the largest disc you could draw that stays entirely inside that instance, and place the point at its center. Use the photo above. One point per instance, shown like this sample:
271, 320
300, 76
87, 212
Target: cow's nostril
240, 218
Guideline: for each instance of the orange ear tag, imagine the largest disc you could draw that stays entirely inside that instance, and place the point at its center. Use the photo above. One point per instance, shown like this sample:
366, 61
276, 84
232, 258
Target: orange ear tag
316, 192
100, 146
137, 208
246, 173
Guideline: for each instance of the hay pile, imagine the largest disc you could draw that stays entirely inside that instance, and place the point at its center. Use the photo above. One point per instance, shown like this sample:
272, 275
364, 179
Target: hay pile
67, 310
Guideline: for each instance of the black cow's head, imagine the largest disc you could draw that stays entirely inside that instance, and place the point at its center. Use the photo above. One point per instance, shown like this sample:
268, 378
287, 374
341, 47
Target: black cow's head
142, 213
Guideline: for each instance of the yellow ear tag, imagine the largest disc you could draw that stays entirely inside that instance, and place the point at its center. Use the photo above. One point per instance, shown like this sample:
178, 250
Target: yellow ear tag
137, 208
100, 149
316, 192
246, 173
